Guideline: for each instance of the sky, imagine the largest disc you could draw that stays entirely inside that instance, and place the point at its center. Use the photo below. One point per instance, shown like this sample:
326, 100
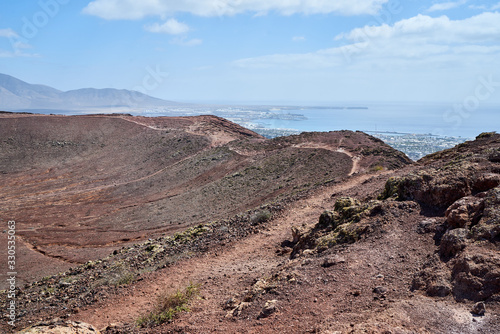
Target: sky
259, 51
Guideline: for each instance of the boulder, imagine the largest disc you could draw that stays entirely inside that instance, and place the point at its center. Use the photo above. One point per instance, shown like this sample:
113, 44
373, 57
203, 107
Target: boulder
268, 309
464, 212
328, 218
476, 275
488, 227
453, 242
479, 309
427, 226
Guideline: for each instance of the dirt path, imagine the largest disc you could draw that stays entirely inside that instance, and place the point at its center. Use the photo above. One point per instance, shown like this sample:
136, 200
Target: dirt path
217, 138
355, 159
222, 272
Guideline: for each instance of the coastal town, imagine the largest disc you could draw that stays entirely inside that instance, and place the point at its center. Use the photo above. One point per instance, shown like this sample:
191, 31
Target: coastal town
414, 145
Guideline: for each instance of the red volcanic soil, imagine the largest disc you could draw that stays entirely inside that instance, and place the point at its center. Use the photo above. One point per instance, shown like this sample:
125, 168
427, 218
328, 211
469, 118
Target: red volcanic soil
80, 187
335, 239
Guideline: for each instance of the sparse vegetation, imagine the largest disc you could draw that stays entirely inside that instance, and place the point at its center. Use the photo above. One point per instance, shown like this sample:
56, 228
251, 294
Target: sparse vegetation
190, 234
168, 305
341, 226
260, 217
125, 279
486, 135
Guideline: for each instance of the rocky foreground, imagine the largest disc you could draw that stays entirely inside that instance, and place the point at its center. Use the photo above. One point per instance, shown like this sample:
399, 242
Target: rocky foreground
382, 249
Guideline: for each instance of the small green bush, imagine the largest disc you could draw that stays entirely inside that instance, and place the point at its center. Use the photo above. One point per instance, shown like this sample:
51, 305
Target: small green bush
260, 217
168, 305
124, 279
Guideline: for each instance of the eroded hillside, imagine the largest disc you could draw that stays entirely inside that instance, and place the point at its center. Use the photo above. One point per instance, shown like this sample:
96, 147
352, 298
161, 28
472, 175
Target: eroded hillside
376, 249
80, 187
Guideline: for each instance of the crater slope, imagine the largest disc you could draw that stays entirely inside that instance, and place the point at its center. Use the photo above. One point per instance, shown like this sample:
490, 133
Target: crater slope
80, 187
412, 250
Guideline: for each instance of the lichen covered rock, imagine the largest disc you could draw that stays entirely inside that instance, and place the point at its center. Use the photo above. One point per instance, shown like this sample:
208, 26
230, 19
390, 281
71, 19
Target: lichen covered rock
61, 327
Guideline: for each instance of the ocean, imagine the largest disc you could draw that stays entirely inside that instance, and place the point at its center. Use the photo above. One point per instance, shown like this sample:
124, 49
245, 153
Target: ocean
437, 119
445, 119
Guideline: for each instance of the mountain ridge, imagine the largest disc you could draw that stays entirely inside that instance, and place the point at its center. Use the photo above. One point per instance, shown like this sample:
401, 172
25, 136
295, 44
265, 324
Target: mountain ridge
16, 95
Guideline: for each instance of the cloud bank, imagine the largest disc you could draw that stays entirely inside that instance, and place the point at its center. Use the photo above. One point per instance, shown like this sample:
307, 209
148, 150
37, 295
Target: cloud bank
138, 9
418, 40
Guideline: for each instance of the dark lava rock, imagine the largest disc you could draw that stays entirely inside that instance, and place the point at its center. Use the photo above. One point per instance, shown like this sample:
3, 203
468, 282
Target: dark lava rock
479, 309
380, 290
453, 242
327, 218
427, 226
476, 276
439, 289
488, 227
331, 261
268, 309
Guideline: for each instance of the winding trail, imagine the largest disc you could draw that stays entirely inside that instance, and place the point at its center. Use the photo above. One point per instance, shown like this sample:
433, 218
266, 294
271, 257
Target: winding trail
222, 272
355, 159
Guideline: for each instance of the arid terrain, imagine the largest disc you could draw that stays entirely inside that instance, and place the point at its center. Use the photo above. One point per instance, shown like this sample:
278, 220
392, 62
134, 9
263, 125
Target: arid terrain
316, 233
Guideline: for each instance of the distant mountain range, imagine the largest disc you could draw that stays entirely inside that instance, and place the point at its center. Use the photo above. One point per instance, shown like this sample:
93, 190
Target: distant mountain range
17, 95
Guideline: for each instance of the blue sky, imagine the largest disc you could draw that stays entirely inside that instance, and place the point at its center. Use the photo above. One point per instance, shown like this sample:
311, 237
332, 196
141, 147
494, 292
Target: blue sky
283, 51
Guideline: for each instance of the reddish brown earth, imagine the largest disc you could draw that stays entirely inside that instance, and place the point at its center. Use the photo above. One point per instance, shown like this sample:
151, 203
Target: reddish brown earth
80, 187
408, 250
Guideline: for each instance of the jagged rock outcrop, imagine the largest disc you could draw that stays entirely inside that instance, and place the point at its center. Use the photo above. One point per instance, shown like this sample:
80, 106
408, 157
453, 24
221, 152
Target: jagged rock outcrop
470, 260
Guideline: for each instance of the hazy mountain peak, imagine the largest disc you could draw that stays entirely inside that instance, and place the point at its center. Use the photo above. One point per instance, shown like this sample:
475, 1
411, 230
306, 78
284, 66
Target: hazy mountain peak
16, 94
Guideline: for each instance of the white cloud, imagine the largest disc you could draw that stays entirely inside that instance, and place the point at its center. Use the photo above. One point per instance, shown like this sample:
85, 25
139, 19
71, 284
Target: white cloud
138, 9
8, 33
187, 42
17, 43
298, 38
446, 5
417, 41
172, 27
484, 7
484, 27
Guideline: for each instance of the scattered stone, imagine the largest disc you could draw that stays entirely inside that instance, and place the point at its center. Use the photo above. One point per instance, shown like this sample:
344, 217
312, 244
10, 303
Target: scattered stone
488, 227
308, 252
230, 304
356, 293
380, 290
268, 309
237, 310
331, 261
284, 250
114, 328
486, 181
479, 309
